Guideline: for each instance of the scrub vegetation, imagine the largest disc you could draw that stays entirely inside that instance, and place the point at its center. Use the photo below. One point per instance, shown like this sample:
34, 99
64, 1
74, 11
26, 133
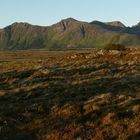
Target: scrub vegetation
89, 94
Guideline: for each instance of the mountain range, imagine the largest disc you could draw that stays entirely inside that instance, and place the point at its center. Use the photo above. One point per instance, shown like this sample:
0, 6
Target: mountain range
68, 33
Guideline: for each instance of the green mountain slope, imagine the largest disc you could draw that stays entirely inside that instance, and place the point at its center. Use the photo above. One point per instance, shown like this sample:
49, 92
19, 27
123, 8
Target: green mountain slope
67, 33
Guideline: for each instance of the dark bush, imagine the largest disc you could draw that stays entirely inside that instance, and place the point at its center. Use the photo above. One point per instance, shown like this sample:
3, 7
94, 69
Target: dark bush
118, 47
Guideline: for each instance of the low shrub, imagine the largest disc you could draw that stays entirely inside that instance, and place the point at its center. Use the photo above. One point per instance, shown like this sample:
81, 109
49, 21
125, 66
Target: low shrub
118, 47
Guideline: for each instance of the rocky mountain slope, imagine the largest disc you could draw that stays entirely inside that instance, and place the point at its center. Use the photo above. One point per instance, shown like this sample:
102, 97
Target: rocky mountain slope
67, 33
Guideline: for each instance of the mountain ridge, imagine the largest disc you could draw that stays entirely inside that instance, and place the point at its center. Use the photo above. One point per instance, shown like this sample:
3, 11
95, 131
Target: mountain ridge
116, 23
67, 33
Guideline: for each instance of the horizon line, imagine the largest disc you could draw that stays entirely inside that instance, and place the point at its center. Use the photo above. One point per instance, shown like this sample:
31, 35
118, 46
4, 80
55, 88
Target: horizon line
43, 25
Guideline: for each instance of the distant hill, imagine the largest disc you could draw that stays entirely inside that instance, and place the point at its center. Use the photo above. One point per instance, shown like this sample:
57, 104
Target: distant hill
67, 33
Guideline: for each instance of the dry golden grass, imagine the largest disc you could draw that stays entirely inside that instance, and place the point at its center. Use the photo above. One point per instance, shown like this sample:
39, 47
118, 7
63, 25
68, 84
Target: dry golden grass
70, 95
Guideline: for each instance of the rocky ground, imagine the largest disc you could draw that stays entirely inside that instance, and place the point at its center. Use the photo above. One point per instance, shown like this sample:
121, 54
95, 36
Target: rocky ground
70, 95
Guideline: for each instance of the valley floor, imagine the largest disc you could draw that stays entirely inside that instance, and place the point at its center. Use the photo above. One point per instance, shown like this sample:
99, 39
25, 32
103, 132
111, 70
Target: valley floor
70, 95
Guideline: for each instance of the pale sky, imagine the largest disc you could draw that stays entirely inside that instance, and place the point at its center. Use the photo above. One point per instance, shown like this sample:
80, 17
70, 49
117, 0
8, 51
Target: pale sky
47, 12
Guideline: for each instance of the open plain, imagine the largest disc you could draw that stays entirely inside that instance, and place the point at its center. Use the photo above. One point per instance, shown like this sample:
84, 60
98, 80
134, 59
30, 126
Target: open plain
88, 94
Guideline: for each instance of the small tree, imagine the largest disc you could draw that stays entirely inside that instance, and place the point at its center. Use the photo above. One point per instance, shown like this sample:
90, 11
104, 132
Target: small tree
118, 47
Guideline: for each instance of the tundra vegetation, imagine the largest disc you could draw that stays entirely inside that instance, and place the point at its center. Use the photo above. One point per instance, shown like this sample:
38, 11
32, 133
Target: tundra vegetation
89, 94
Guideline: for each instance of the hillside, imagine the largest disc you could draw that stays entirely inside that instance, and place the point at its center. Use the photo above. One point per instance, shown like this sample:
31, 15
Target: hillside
66, 34
70, 95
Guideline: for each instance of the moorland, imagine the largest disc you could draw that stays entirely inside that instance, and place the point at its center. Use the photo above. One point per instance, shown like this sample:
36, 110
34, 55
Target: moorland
85, 94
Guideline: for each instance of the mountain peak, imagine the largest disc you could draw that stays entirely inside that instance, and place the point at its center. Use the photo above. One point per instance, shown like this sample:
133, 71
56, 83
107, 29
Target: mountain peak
137, 25
116, 24
69, 19
20, 24
96, 22
65, 24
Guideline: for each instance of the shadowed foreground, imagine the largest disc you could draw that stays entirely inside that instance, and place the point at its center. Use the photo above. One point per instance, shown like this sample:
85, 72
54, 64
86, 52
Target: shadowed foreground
72, 95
